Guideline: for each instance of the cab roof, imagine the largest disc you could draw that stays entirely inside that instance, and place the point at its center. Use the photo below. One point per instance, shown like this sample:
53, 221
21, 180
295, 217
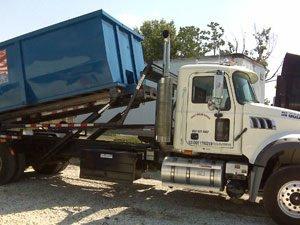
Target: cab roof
229, 69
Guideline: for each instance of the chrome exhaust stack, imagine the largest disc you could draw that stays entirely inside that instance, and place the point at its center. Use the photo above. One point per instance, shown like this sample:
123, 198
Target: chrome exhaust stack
164, 101
167, 53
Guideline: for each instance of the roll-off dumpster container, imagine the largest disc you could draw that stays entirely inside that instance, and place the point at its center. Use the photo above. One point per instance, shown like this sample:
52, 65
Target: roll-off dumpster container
79, 56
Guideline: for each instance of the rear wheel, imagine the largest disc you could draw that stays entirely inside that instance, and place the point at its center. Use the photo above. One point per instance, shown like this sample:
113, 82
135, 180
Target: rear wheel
51, 168
282, 195
7, 164
20, 167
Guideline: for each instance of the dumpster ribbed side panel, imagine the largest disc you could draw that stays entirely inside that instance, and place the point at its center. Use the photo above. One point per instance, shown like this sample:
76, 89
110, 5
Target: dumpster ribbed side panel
84, 55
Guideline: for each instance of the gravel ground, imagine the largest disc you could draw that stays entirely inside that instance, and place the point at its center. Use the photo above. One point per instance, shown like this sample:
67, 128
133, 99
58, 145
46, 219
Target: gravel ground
66, 199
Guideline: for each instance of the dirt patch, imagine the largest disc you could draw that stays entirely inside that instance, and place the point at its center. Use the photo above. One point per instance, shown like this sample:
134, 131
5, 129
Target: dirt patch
66, 199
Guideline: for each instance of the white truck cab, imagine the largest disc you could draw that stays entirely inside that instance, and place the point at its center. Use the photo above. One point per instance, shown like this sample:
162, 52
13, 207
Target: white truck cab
198, 128
243, 126
224, 139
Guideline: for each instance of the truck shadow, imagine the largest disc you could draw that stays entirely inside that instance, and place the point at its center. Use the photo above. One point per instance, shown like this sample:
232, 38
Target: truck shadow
81, 201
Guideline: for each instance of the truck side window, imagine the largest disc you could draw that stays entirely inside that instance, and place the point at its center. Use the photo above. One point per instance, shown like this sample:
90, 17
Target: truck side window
226, 103
203, 87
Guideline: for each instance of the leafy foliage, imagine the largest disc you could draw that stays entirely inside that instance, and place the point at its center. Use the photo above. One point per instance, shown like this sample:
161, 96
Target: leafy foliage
231, 49
263, 49
153, 42
189, 42
193, 42
215, 36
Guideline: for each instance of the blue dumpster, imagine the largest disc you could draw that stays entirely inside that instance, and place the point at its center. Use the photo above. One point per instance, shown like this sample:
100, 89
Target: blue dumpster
91, 53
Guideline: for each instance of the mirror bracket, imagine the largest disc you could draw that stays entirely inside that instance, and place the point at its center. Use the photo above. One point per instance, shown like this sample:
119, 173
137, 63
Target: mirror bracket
216, 102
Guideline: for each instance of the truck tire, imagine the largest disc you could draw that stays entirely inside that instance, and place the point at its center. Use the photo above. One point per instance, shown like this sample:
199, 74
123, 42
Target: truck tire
7, 164
20, 167
51, 168
282, 195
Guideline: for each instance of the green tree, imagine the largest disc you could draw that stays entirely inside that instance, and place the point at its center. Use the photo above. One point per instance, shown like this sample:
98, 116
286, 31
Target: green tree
193, 42
205, 37
190, 42
231, 49
215, 37
264, 45
153, 40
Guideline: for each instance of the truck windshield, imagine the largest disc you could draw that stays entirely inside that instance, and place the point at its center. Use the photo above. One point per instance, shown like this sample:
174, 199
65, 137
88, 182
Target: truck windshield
243, 89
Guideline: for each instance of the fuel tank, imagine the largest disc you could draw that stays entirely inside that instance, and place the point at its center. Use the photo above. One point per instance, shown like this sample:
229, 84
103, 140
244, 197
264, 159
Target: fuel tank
192, 173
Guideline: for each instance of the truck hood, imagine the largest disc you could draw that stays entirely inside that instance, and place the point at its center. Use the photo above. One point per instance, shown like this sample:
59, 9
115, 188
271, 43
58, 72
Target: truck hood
265, 125
283, 118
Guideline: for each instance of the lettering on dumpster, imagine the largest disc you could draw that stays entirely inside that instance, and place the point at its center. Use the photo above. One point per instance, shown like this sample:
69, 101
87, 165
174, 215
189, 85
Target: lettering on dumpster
3, 67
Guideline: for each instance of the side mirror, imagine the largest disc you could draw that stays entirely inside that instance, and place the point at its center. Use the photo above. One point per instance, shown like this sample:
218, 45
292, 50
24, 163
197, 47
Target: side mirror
216, 101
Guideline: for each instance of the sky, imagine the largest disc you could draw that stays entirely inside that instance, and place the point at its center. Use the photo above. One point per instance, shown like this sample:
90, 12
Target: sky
238, 17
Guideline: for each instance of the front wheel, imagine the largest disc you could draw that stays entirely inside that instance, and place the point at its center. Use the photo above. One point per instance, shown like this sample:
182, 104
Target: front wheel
282, 195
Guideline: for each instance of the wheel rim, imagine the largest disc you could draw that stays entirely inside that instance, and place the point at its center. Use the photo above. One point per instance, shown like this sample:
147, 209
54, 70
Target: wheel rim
288, 199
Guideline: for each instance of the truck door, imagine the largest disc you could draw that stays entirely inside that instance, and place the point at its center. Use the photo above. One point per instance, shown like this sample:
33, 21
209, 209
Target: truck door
205, 130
